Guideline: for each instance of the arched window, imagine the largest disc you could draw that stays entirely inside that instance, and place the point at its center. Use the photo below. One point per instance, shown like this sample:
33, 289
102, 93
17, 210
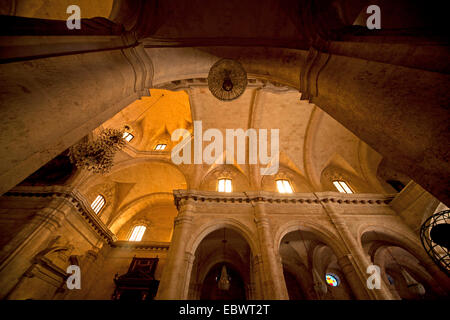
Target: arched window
342, 186
137, 233
98, 204
332, 279
224, 185
160, 147
284, 186
127, 136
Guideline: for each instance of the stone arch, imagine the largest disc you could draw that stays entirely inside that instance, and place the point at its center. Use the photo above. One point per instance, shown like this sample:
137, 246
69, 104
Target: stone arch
207, 257
330, 239
321, 253
407, 242
177, 64
120, 218
392, 254
209, 227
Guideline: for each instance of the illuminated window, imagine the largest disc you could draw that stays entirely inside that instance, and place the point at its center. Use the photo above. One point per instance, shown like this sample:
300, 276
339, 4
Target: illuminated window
342, 186
160, 147
98, 203
224, 185
332, 279
138, 232
127, 136
284, 186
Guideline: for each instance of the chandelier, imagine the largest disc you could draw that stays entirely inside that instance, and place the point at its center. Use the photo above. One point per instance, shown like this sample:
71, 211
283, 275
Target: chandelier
224, 279
227, 79
98, 155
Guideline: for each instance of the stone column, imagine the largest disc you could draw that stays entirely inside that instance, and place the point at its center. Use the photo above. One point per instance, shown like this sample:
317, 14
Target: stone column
354, 264
380, 97
32, 239
273, 284
38, 93
173, 284
189, 261
347, 266
194, 291
256, 277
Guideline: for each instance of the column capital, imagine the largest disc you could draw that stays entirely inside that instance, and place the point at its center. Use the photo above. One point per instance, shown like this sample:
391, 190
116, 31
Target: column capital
183, 219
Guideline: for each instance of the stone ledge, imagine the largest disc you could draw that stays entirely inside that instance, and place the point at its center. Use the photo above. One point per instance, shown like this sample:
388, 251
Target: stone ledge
143, 245
75, 198
274, 197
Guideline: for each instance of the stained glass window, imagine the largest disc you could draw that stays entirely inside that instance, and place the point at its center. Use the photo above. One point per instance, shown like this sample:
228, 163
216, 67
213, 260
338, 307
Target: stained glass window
332, 279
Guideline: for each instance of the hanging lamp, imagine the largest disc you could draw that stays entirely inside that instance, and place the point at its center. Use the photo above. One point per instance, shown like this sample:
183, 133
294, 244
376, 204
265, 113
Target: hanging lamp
224, 279
98, 155
227, 79
414, 287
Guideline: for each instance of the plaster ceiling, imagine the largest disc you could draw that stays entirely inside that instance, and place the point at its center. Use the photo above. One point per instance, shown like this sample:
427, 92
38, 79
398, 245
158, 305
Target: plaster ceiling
310, 140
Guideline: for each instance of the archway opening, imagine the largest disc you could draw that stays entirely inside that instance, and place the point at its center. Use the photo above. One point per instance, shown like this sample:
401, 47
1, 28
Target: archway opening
306, 262
401, 271
223, 255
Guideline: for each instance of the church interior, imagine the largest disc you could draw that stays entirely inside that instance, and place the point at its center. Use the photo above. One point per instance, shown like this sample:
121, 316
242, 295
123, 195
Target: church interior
91, 123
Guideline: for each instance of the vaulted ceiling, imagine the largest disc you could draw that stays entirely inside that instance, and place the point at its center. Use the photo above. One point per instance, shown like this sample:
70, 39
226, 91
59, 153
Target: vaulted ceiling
311, 144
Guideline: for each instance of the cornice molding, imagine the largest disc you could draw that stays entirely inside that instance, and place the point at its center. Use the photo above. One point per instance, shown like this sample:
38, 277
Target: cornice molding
141, 245
335, 198
76, 199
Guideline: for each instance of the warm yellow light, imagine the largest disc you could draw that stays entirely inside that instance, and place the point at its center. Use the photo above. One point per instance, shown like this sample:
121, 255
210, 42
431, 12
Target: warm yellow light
138, 232
342, 186
224, 185
284, 186
160, 147
127, 136
98, 203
